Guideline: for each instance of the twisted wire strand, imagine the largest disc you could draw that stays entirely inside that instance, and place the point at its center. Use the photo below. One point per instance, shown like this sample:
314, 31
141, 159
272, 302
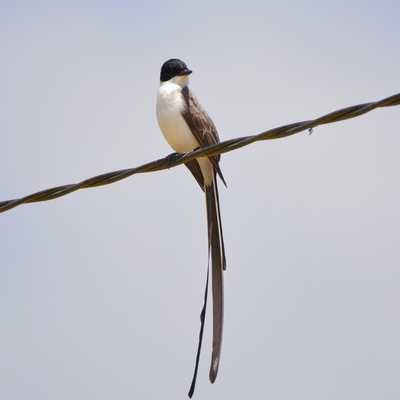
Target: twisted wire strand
175, 159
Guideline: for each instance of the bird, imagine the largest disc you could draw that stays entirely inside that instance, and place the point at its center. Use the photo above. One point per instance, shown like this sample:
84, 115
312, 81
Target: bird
186, 126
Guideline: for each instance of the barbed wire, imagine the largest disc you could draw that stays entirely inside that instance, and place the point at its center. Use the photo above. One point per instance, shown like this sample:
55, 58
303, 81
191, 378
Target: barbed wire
176, 159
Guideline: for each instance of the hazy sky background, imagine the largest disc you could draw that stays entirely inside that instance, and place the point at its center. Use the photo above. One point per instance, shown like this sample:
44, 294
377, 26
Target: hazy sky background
101, 290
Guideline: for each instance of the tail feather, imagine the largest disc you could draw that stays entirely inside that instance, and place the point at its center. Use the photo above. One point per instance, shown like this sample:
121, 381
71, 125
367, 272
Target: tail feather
218, 264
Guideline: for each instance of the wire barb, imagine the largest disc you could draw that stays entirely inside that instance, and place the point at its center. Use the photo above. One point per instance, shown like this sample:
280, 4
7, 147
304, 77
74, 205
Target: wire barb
220, 148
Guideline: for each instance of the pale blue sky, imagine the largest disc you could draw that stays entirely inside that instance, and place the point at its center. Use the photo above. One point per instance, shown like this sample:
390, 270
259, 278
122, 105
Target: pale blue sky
101, 290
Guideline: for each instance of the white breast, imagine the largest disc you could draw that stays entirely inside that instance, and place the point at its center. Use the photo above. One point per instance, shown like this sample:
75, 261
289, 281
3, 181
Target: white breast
170, 104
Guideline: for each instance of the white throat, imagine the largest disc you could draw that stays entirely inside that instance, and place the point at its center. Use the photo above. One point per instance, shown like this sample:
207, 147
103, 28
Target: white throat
182, 81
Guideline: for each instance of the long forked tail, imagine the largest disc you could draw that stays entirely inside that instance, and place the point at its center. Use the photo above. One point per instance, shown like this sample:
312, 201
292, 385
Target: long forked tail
216, 252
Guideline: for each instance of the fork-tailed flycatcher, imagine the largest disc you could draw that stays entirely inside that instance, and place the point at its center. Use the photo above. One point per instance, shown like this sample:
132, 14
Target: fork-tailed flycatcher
186, 126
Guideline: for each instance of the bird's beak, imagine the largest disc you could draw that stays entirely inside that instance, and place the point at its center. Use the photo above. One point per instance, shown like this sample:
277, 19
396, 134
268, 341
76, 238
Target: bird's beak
185, 72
